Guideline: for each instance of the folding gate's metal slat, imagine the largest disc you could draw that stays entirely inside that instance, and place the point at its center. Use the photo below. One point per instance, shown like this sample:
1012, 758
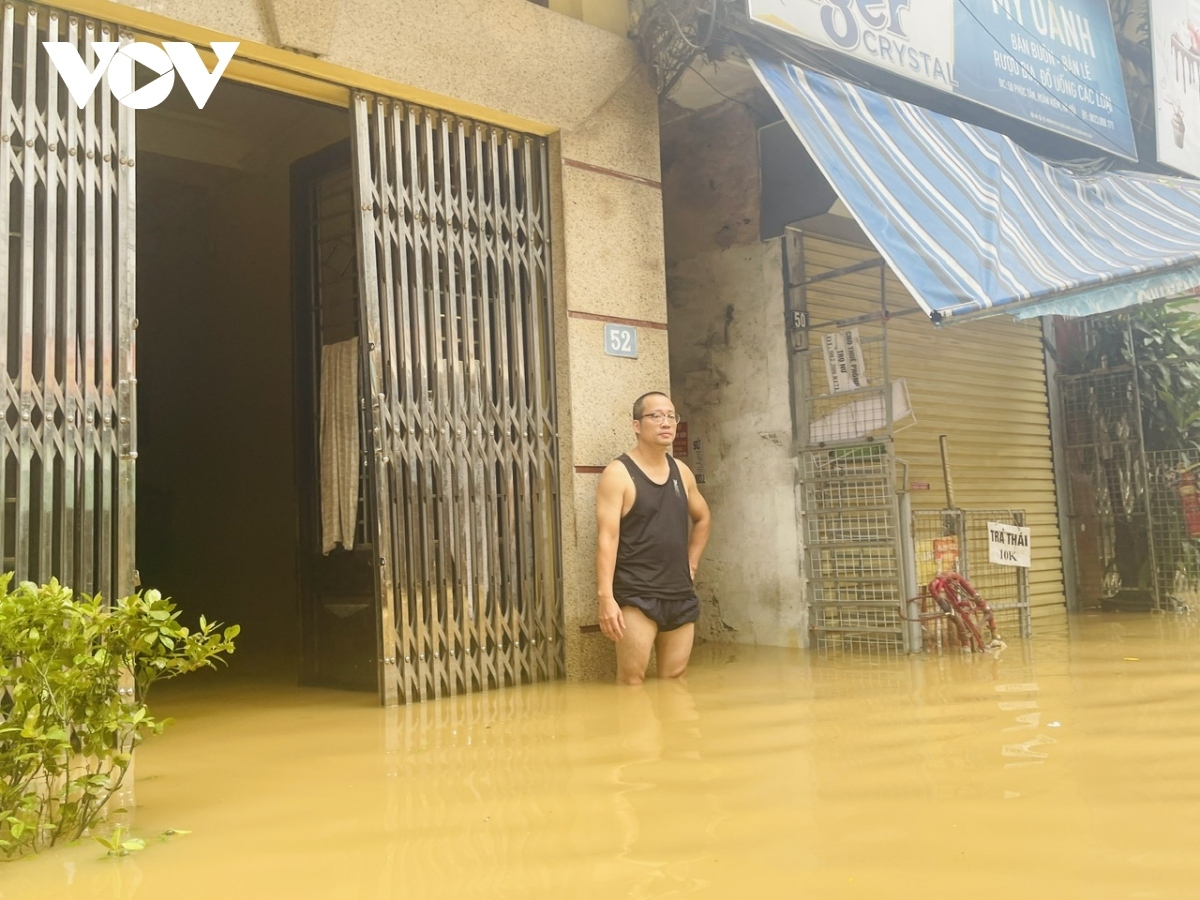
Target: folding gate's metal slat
51, 447
387, 418
498, 394
455, 399
29, 183
73, 435
543, 351
489, 525
423, 563
407, 178
104, 158
543, 629
408, 186
509, 624
404, 486
512, 474
469, 412
448, 387
526, 545
127, 396
435, 424
495, 396
549, 424
400, 401
8, 115
439, 624
365, 195
87, 525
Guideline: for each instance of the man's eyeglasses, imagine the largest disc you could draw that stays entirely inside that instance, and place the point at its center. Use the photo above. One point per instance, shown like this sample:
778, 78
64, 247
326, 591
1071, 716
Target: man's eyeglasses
659, 417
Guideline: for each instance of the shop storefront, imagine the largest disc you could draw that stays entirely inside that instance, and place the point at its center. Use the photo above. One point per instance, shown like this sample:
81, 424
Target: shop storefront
300, 350
874, 215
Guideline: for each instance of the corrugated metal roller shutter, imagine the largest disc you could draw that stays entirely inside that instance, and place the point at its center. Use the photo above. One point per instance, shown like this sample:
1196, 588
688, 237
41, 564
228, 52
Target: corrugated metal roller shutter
982, 383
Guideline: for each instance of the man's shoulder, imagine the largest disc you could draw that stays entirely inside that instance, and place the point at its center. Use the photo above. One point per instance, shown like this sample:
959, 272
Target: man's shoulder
615, 472
683, 468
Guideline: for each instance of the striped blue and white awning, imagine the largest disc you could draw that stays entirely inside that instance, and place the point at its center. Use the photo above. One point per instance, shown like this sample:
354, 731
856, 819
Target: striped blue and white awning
975, 225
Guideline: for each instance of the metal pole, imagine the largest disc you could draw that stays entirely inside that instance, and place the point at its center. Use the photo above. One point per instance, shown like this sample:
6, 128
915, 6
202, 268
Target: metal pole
795, 300
909, 569
944, 443
901, 501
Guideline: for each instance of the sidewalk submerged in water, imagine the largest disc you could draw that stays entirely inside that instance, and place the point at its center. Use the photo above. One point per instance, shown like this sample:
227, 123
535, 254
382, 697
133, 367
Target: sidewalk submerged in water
1065, 766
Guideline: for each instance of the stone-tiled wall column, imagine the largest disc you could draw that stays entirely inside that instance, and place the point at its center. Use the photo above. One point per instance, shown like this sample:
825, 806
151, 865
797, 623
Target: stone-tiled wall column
610, 257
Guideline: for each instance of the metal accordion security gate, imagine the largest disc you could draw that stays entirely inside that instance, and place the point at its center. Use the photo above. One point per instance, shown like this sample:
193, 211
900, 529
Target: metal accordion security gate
458, 362
67, 429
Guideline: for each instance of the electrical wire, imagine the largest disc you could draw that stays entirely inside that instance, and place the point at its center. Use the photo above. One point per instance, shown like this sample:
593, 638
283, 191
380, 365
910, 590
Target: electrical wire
712, 22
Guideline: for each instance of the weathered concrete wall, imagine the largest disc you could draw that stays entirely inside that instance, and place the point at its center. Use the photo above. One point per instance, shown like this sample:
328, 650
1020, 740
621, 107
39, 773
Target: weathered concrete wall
586, 88
729, 376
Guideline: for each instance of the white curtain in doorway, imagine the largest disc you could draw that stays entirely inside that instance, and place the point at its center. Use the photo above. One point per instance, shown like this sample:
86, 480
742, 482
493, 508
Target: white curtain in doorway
339, 444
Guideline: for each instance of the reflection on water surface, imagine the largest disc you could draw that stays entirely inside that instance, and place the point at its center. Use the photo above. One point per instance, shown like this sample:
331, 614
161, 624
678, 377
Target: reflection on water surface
1067, 767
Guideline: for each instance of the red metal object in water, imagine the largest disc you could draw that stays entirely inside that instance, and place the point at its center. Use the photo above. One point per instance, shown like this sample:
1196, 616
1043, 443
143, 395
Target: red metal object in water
963, 605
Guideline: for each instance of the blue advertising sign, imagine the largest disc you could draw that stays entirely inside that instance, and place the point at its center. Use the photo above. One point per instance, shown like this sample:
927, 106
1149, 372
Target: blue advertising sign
1052, 63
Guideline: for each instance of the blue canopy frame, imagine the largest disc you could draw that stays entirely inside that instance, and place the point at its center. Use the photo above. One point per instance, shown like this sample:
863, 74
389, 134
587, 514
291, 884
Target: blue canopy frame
975, 225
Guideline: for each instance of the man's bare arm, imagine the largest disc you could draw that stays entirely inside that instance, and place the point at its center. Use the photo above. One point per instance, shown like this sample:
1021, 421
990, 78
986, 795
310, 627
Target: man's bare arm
701, 519
609, 500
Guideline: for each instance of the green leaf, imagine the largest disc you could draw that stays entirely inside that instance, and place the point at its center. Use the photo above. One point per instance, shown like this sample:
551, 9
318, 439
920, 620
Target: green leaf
63, 661
113, 842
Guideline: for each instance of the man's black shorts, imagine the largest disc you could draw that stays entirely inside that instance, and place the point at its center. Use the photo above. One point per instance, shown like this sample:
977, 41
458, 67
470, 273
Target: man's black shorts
668, 614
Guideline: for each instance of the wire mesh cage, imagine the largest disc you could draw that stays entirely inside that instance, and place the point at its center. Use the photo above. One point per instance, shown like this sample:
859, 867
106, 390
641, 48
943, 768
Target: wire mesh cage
1174, 504
849, 499
852, 540
957, 541
848, 400
1005, 587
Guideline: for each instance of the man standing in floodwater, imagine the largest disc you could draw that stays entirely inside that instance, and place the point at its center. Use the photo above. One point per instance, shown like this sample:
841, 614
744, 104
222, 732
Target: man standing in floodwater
645, 557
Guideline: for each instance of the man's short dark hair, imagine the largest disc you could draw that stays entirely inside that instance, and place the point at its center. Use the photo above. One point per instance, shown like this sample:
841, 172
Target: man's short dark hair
639, 405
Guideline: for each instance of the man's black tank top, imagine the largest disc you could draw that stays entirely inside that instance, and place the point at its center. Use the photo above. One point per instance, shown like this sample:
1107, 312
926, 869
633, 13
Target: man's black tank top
652, 555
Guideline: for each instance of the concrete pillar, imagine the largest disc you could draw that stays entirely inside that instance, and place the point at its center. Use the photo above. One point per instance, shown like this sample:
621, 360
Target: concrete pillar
610, 253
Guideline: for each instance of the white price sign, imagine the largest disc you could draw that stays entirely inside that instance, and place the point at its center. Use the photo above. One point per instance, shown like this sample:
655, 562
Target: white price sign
1008, 545
844, 361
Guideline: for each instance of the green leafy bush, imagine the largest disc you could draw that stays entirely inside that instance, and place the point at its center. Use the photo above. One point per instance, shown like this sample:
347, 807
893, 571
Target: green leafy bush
74, 674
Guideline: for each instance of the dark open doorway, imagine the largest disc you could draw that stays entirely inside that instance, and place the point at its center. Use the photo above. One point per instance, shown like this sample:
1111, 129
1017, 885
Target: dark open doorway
219, 511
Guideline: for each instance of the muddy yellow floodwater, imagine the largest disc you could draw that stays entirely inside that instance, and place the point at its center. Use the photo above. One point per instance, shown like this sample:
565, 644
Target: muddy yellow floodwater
1064, 767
